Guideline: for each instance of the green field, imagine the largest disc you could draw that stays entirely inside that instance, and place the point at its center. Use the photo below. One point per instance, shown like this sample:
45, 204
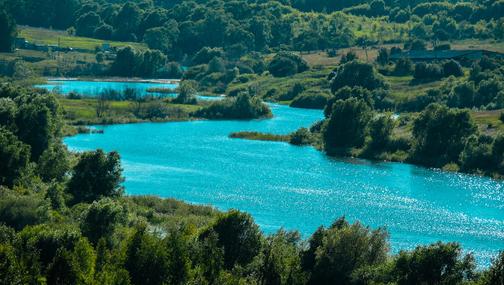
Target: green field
53, 37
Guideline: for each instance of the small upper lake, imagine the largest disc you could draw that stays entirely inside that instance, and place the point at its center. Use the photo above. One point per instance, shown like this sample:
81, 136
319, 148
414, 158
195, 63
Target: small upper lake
94, 88
301, 188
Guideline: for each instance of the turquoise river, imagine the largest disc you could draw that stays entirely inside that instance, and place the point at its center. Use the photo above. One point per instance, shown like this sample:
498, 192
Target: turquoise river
301, 188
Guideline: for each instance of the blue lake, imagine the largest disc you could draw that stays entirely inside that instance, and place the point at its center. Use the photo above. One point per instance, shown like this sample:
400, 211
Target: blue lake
301, 188
93, 88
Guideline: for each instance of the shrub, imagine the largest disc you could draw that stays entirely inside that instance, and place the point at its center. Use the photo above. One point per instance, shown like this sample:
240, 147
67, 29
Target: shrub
452, 67
96, 175
311, 99
286, 64
440, 134
241, 107
403, 66
355, 73
301, 137
347, 125
430, 71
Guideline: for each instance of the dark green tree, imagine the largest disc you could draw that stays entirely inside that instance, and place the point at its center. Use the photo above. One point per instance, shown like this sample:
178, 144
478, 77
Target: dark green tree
8, 31
238, 235
96, 175
440, 263
14, 157
101, 219
355, 73
347, 125
440, 134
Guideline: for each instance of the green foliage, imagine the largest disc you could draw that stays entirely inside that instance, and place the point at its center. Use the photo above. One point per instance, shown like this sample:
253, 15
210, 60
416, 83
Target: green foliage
54, 163
8, 31
354, 74
14, 156
347, 125
147, 260
242, 107
452, 68
187, 93
440, 134
130, 62
286, 64
495, 274
38, 122
238, 235
428, 71
438, 263
301, 137
311, 99
100, 220
96, 175
11, 271
380, 131
19, 211
336, 262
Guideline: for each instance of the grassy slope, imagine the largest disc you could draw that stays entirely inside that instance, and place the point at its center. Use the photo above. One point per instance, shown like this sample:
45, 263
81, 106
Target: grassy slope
51, 37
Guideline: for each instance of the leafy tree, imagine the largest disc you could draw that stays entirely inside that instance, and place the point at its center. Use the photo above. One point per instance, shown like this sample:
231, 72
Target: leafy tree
355, 73
54, 162
87, 24
11, 271
380, 130
349, 56
311, 99
383, 57
96, 175
347, 125
440, 134
100, 220
438, 263
187, 93
127, 22
63, 270
242, 107
347, 92
403, 66
301, 137
281, 260
126, 62
8, 31
463, 95
147, 260
239, 236
495, 275
452, 68
38, 122
163, 38
429, 71
286, 64
336, 261
477, 153
14, 156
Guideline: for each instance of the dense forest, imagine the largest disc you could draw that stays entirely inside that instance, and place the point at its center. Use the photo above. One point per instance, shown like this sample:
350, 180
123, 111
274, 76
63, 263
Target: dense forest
64, 218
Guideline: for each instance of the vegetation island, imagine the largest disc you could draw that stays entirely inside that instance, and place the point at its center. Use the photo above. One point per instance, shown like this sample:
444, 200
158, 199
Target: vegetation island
414, 81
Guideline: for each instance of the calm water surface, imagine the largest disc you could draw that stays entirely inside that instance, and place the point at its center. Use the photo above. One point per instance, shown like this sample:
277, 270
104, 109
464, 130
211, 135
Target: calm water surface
300, 188
93, 88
